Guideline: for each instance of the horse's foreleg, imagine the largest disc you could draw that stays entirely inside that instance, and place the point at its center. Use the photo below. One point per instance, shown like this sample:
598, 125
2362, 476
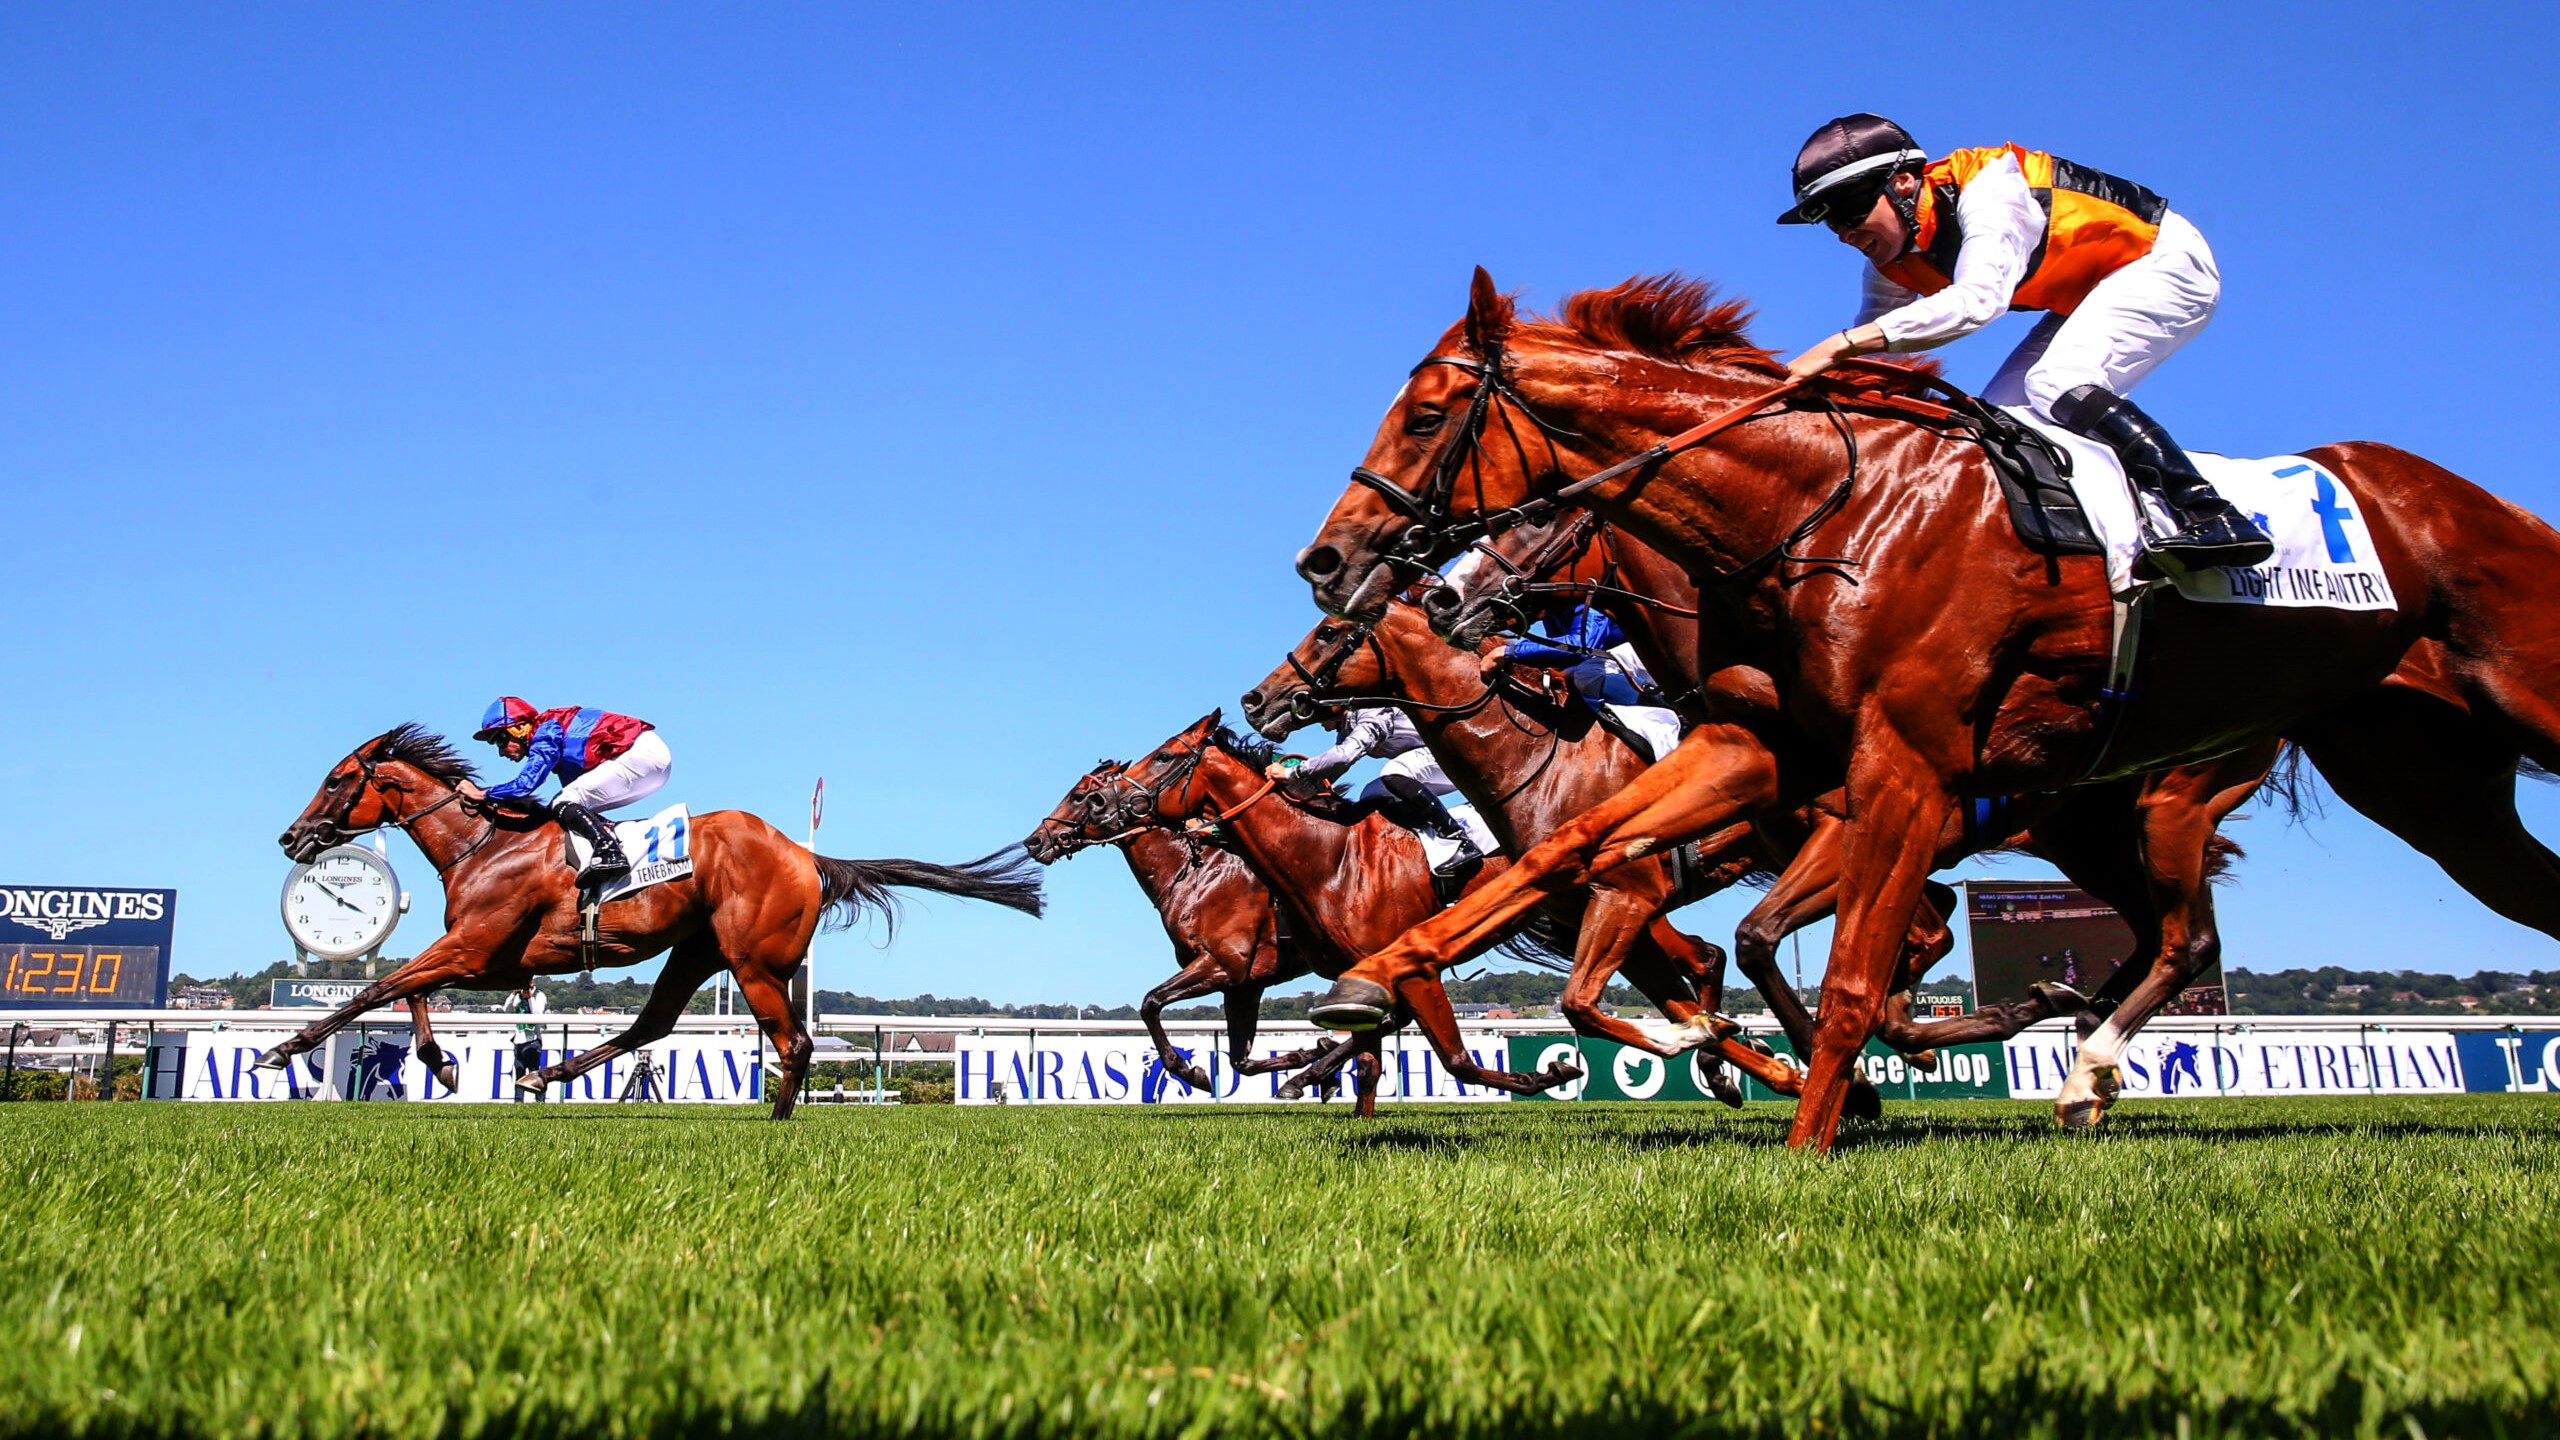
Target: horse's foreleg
429, 1053
1888, 845
1328, 1063
1367, 1069
1429, 1003
688, 966
1201, 976
1718, 774
447, 960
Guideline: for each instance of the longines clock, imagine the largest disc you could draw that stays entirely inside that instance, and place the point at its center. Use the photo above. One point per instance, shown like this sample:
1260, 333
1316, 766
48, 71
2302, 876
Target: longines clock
342, 904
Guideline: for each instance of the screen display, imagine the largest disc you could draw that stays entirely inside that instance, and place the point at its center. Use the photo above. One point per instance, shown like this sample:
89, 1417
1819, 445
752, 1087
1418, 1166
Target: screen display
49, 974
84, 947
2026, 931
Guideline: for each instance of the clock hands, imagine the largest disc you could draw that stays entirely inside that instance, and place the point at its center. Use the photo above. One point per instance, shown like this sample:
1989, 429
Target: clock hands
332, 892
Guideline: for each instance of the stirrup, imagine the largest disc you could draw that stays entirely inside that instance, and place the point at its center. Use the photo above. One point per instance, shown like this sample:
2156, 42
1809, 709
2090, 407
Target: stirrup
1456, 865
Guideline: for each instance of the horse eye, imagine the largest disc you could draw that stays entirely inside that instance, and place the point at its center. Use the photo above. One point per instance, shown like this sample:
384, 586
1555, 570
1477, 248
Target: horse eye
1424, 422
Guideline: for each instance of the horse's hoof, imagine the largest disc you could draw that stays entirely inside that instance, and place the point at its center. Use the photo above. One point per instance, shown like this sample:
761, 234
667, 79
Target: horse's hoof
1195, 1077
1924, 1061
1722, 1085
1862, 1101
531, 1084
1562, 1072
275, 1060
2078, 1114
1353, 1004
2059, 999
449, 1076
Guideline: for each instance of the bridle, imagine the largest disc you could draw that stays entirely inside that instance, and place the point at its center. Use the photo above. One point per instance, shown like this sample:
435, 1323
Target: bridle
1435, 531
1128, 806
371, 766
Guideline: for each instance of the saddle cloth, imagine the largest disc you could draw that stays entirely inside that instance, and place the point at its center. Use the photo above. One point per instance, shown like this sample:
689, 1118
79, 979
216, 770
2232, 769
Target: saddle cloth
1437, 850
659, 848
2324, 553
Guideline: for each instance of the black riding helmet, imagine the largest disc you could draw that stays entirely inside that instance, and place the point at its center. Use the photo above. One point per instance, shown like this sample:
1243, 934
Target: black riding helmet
1846, 163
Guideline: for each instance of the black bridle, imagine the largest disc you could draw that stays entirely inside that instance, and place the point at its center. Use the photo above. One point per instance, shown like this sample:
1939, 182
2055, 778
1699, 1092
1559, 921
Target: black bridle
1435, 531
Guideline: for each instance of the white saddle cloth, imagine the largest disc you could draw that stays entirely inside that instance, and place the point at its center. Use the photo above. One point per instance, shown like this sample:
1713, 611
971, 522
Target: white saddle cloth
2324, 554
659, 848
1438, 850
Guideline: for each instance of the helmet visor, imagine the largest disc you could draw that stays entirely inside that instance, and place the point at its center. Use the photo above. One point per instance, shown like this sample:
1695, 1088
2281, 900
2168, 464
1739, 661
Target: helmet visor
1842, 208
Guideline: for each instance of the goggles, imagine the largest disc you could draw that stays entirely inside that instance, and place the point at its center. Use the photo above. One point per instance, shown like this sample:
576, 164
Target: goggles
1842, 210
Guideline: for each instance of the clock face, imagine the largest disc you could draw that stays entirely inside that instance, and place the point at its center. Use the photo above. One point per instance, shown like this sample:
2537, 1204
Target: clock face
343, 904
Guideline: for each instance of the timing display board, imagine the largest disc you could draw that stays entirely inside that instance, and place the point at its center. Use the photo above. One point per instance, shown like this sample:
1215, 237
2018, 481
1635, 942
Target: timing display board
84, 947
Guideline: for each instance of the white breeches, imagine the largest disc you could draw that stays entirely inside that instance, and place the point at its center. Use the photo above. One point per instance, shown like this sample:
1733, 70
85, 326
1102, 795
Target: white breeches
2130, 322
635, 774
1417, 763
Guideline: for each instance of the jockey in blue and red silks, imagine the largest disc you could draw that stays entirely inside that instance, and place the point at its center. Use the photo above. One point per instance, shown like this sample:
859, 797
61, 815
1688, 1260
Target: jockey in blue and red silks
605, 761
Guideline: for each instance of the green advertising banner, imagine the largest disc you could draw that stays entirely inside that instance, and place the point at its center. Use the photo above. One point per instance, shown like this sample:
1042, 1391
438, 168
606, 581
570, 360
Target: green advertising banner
1611, 1071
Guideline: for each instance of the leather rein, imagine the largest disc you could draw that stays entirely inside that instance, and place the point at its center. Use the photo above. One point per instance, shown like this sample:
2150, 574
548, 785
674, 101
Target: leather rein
1435, 530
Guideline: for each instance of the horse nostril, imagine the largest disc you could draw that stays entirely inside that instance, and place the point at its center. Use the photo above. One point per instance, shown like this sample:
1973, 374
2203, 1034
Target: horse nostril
1252, 702
1319, 562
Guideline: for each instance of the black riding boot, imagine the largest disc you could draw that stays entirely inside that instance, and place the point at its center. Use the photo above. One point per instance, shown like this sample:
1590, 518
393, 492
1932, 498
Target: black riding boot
1417, 809
2209, 531
608, 862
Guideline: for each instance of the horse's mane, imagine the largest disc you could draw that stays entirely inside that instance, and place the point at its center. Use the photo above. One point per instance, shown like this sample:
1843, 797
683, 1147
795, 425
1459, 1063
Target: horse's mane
1680, 319
415, 744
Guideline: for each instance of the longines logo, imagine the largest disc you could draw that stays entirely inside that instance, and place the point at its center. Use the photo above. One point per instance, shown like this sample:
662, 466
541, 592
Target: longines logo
59, 912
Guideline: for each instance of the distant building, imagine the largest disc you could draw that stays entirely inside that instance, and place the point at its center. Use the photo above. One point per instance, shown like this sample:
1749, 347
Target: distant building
2353, 989
201, 997
1495, 1011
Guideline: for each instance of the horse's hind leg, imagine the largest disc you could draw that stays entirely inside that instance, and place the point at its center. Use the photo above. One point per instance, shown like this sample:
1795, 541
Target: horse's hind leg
2445, 782
1201, 976
689, 964
764, 982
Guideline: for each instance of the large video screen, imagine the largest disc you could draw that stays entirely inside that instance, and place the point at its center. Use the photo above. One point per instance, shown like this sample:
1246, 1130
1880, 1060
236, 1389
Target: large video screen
2024, 931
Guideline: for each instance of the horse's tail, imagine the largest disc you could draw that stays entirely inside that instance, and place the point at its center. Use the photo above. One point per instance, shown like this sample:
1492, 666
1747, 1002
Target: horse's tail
846, 888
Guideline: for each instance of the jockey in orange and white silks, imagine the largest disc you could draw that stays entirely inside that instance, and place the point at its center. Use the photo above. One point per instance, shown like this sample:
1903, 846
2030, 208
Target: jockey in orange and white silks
605, 761
1957, 242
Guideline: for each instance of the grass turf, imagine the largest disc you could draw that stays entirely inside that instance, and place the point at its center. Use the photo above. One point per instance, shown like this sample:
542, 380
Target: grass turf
2377, 1267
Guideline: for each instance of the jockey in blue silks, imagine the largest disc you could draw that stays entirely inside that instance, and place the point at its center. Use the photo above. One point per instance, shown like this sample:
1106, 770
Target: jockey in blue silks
605, 761
1595, 654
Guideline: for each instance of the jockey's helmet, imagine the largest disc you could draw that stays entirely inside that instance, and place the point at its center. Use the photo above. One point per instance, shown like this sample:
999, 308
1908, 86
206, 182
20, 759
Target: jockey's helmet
504, 711
1846, 164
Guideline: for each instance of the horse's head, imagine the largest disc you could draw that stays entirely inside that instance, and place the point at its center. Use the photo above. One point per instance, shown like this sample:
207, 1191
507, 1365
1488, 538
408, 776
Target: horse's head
1449, 448
381, 783
1337, 658
1510, 579
1161, 787
1070, 827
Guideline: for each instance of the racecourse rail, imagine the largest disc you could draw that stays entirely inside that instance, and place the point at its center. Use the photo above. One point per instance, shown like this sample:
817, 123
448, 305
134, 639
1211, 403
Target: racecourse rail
211, 1055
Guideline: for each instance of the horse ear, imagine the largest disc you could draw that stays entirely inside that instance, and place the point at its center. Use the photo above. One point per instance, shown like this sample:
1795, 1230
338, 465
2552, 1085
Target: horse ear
1488, 315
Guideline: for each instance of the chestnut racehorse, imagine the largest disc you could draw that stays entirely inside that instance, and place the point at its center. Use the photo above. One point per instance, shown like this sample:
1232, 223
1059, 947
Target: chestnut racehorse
1530, 758
1868, 588
511, 905
1223, 922
2096, 830
1357, 884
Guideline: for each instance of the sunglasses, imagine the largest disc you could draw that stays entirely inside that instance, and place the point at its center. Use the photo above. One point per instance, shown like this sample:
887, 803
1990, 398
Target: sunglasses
1841, 212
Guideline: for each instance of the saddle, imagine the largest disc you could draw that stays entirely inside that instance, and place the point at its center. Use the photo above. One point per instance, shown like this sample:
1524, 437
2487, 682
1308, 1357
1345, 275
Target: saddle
2034, 472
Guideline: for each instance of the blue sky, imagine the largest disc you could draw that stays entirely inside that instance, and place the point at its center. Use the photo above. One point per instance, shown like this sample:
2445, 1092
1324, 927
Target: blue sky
933, 398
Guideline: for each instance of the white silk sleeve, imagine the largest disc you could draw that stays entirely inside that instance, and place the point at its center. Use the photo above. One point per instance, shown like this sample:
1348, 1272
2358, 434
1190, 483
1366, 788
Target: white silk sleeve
2002, 226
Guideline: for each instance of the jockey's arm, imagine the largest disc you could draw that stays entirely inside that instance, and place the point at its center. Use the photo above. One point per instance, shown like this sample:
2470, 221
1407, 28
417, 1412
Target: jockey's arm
541, 753
1365, 731
2002, 226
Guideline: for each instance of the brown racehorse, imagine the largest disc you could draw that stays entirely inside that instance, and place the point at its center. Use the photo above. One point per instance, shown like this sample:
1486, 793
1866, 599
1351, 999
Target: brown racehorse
511, 904
1867, 585
1356, 885
1530, 758
1579, 557
1223, 921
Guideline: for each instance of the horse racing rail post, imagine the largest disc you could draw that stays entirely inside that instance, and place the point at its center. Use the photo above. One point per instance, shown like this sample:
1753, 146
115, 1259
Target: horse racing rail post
211, 1055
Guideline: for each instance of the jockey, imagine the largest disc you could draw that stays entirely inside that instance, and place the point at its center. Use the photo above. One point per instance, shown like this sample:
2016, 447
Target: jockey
1958, 242
605, 761
1596, 655
1407, 790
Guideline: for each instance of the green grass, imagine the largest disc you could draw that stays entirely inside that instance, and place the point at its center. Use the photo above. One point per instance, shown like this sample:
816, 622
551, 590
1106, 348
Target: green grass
2371, 1267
